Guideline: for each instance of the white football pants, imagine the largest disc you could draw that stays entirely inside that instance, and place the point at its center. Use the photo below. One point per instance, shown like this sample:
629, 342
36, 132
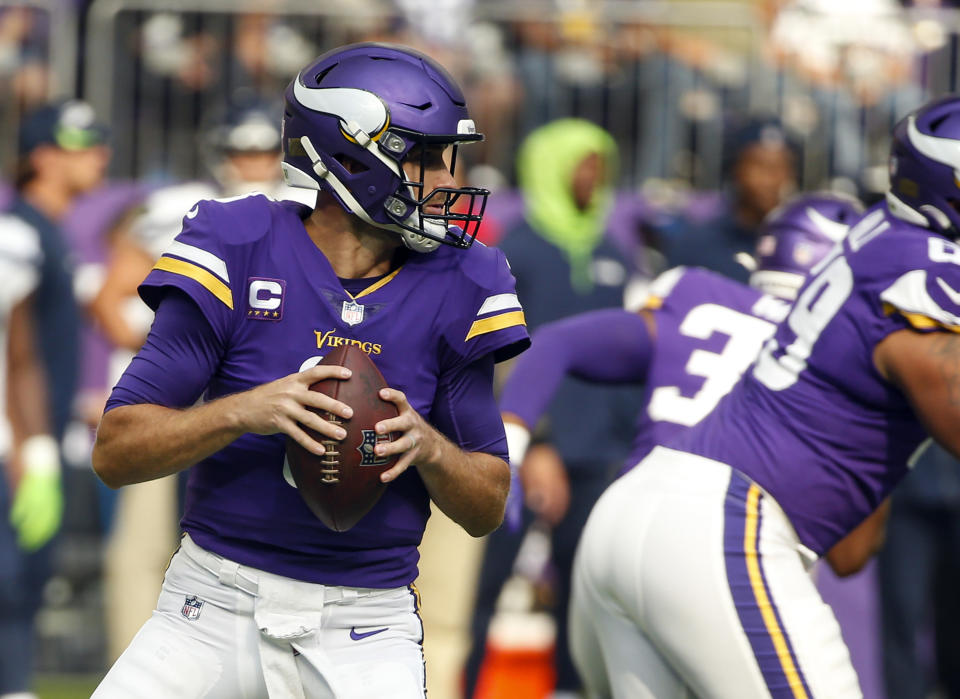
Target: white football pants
227, 631
689, 581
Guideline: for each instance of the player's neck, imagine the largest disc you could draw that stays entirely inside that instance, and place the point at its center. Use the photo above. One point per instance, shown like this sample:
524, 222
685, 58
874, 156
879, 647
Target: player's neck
353, 249
48, 197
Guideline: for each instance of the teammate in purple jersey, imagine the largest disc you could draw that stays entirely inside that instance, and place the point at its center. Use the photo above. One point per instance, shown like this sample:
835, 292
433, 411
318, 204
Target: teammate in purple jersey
694, 564
696, 335
261, 599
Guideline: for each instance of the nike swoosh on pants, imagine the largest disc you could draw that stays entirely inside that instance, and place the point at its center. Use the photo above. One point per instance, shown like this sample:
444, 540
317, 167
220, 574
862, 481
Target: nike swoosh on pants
355, 636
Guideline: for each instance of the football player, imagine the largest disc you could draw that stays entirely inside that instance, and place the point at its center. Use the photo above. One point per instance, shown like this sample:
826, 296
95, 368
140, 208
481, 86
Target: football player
692, 571
696, 334
261, 599
241, 146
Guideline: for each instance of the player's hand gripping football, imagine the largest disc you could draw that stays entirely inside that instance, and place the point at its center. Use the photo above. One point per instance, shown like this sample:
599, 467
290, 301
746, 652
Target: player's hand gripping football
282, 406
418, 442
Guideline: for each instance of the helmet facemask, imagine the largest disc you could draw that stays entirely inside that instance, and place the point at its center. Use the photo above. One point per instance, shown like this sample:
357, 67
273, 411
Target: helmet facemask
462, 207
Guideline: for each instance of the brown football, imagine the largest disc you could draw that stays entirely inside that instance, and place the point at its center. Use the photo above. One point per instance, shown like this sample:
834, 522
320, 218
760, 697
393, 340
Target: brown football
343, 484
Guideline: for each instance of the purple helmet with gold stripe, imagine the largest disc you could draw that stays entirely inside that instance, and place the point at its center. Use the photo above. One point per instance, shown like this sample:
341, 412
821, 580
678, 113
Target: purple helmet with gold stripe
351, 119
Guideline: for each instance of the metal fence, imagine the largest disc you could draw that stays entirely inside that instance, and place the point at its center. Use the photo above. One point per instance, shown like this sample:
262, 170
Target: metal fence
667, 78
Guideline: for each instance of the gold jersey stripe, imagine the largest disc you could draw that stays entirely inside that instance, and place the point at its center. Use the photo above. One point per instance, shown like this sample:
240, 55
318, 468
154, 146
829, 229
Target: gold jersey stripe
494, 323
207, 280
378, 284
764, 604
918, 320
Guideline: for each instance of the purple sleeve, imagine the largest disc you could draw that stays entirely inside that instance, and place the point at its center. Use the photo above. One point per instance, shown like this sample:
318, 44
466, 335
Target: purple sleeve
176, 362
465, 409
605, 346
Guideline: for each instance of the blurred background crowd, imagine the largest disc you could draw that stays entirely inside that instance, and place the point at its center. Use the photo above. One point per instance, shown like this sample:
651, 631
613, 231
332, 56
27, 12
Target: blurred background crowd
714, 111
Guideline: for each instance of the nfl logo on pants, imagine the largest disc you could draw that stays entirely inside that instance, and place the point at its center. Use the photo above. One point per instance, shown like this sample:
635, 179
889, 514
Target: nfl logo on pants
191, 608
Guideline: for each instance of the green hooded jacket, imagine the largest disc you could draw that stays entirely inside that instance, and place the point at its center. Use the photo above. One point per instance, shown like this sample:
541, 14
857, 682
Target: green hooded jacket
546, 163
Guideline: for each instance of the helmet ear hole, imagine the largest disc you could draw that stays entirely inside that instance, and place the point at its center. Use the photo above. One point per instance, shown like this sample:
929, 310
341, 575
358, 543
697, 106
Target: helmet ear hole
351, 165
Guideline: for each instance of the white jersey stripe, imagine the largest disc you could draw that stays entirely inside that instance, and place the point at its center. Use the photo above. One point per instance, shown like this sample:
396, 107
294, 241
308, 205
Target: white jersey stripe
200, 257
500, 302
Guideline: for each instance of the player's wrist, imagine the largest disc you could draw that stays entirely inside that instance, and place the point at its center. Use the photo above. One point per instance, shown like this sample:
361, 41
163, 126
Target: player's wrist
40, 456
518, 440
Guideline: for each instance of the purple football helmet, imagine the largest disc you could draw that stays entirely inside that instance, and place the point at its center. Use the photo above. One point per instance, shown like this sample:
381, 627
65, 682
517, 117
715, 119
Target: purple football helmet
368, 105
925, 167
797, 235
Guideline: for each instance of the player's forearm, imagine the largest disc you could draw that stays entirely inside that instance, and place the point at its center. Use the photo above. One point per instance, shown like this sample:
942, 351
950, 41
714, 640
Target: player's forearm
469, 487
137, 443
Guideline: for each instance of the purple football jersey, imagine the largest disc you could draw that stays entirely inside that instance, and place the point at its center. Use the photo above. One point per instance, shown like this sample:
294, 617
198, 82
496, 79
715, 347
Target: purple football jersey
709, 330
814, 423
274, 300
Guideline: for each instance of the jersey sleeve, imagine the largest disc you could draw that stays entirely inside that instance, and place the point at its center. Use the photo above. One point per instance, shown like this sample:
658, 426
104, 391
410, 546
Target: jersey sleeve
20, 259
182, 344
489, 320
197, 263
928, 299
466, 411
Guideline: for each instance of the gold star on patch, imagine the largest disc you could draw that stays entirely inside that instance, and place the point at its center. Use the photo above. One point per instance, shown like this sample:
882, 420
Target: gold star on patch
276, 315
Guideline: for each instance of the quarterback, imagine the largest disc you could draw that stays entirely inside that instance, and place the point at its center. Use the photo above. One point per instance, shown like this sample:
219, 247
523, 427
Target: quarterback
693, 565
261, 598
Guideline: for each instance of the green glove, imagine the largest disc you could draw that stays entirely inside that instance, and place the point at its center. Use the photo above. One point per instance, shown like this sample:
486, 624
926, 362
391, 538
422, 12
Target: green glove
38, 502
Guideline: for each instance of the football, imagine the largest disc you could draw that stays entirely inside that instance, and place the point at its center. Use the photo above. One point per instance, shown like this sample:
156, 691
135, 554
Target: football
343, 484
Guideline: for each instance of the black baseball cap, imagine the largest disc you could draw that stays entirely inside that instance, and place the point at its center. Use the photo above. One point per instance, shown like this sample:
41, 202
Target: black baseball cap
68, 124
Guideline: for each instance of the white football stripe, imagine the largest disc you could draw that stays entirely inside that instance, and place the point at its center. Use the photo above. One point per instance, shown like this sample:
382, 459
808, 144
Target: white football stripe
201, 257
500, 302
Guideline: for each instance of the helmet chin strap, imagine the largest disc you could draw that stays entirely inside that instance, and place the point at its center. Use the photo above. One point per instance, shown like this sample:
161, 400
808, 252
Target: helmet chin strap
414, 241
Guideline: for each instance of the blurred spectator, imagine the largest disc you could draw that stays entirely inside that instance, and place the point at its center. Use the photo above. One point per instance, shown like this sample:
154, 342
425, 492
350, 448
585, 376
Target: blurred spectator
62, 155
563, 265
192, 63
24, 69
858, 60
761, 170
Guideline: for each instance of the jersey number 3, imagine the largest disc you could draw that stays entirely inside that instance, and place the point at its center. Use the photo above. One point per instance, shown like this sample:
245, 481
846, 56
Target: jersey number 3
721, 370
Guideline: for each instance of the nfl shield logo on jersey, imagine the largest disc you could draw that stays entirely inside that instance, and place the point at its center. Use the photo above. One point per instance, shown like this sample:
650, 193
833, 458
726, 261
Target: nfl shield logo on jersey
191, 607
352, 312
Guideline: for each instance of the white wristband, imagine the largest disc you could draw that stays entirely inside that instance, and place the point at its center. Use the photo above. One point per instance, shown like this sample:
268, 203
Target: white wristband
518, 439
40, 454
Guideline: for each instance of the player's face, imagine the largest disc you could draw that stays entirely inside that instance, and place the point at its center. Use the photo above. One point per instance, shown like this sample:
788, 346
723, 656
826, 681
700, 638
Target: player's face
589, 174
435, 160
764, 175
80, 170
254, 166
